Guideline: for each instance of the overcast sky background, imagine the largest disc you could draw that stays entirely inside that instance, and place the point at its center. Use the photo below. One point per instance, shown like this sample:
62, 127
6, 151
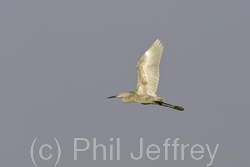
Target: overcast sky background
60, 60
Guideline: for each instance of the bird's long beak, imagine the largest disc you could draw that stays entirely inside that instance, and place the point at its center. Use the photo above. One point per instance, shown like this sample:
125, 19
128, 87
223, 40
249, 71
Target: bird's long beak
112, 97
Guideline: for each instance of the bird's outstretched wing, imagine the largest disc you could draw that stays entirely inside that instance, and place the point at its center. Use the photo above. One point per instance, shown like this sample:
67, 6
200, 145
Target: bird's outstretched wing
148, 69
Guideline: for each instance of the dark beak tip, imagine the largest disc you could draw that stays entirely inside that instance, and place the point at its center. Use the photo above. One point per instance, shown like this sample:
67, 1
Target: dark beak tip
111, 97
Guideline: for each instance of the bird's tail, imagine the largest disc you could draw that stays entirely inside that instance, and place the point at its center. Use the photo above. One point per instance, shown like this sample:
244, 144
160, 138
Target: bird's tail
170, 106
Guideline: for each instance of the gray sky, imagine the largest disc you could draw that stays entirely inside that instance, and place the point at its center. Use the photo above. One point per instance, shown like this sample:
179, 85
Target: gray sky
61, 59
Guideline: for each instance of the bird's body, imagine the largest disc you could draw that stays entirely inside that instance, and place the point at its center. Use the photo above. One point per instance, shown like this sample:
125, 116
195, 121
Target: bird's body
135, 97
147, 79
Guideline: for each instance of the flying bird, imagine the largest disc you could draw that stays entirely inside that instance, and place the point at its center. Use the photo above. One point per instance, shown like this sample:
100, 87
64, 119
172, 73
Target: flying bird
147, 79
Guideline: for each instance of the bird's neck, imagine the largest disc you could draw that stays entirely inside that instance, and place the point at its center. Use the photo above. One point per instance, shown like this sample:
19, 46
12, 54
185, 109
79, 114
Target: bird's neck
127, 99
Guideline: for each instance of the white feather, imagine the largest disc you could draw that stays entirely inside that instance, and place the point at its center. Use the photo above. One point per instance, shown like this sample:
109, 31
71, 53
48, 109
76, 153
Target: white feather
148, 70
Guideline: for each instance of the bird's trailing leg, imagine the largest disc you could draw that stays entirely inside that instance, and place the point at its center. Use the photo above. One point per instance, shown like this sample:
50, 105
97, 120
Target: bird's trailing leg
169, 105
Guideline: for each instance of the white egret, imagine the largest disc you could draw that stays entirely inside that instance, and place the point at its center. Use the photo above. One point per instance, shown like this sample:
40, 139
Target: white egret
147, 79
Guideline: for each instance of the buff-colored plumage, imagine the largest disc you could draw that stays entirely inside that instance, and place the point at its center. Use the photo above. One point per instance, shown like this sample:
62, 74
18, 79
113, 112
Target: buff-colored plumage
147, 79
148, 70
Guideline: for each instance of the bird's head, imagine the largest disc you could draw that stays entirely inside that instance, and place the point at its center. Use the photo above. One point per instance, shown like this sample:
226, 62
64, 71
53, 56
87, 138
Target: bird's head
121, 95
124, 96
